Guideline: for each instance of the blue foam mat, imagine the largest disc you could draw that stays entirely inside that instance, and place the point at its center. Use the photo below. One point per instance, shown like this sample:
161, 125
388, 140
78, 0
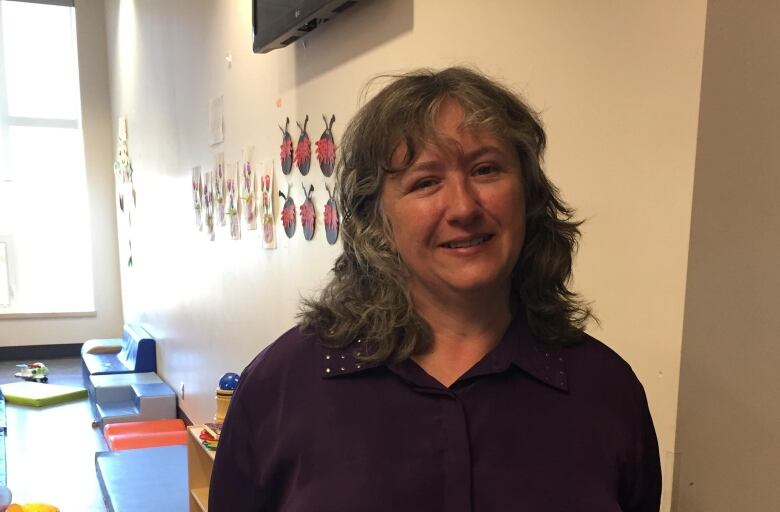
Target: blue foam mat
146, 479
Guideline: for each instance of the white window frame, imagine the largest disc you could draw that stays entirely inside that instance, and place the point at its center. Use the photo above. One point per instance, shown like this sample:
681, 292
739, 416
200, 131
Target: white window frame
8, 120
6, 175
6, 242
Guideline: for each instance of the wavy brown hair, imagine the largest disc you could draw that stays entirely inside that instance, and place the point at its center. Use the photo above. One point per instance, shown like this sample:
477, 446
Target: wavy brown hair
368, 297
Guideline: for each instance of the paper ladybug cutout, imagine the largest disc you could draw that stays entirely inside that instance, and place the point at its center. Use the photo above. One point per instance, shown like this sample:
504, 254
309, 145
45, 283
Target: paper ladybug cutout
286, 153
326, 148
288, 213
303, 149
308, 215
331, 216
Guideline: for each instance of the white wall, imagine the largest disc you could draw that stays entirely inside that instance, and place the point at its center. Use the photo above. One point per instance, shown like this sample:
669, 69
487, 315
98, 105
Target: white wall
618, 86
727, 435
106, 322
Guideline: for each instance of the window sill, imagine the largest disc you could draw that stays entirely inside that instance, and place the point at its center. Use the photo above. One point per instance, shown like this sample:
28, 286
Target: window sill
20, 316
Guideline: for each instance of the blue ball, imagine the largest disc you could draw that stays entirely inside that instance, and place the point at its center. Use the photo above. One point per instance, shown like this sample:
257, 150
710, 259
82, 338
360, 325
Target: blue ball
229, 381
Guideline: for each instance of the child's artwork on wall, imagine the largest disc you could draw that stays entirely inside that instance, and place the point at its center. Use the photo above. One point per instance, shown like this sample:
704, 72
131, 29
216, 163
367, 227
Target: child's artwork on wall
231, 200
288, 213
208, 203
331, 218
216, 108
308, 214
286, 149
123, 176
269, 221
303, 150
219, 187
197, 193
248, 189
326, 148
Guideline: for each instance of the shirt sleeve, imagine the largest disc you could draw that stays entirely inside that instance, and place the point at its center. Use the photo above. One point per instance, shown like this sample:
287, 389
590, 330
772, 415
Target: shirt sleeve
642, 483
233, 478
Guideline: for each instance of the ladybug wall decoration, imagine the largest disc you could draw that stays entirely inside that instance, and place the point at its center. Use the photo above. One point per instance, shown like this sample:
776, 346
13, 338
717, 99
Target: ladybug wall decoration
308, 214
288, 213
303, 149
326, 148
331, 217
286, 153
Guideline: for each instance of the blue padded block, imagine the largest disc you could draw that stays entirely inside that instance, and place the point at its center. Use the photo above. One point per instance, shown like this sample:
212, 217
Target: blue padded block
145, 479
138, 354
156, 389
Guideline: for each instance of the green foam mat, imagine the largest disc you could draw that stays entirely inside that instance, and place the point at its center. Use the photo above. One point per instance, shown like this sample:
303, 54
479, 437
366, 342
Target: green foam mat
36, 394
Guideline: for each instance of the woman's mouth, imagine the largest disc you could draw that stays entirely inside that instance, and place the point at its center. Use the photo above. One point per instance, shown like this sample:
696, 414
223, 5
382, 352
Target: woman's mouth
469, 242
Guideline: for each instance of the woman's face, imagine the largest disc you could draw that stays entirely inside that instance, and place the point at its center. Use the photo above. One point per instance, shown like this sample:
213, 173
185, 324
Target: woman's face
458, 213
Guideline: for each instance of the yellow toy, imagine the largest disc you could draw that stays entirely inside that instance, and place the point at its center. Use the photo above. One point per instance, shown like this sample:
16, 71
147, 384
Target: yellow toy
31, 507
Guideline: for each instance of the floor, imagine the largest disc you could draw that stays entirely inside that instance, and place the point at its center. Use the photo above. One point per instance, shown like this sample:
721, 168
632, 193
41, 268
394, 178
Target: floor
50, 451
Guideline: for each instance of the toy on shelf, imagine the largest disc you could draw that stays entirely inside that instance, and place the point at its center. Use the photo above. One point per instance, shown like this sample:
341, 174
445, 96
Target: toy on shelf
227, 384
33, 372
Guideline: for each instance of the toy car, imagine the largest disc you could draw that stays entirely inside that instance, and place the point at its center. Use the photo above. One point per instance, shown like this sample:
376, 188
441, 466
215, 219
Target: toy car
34, 372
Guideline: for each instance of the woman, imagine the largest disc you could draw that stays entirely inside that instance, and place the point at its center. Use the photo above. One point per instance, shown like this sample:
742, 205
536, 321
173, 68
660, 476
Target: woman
445, 367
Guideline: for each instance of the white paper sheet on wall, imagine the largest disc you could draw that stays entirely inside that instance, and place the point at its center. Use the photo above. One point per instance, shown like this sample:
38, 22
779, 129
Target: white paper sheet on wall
215, 121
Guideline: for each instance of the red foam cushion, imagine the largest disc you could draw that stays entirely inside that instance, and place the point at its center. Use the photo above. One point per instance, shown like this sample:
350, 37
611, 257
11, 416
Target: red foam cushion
140, 427
146, 440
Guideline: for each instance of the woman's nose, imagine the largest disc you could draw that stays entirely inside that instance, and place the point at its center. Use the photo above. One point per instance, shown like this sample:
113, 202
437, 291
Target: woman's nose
462, 204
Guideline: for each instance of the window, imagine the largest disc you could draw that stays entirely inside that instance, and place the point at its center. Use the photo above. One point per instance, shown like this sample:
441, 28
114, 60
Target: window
44, 208
5, 279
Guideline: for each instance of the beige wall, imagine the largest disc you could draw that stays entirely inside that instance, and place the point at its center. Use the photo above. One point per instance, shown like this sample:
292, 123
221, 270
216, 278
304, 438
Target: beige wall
98, 153
618, 87
728, 435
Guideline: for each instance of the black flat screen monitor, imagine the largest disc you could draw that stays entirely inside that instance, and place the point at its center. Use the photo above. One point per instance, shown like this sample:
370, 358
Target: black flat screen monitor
277, 23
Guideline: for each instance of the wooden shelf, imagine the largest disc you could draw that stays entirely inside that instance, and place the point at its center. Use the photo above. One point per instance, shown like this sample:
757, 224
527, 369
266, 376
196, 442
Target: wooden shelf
201, 497
199, 462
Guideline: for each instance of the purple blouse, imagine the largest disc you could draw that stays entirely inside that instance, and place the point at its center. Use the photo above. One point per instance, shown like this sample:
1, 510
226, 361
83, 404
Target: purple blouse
530, 427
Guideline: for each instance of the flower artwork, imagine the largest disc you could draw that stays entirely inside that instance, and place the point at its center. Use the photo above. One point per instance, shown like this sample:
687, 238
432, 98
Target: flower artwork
197, 193
286, 149
125, 188
269, 222
288, 213
219, 187
326, 148
231, 201
331, 217
248, 190
303, 150
308, 214
208, 204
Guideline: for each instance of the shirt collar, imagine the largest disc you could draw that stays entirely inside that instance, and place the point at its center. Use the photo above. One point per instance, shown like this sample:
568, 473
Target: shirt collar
345, 360
519, 347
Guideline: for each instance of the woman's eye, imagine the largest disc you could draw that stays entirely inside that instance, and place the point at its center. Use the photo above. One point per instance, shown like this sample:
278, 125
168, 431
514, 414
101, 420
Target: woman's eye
423, 183
483, 170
